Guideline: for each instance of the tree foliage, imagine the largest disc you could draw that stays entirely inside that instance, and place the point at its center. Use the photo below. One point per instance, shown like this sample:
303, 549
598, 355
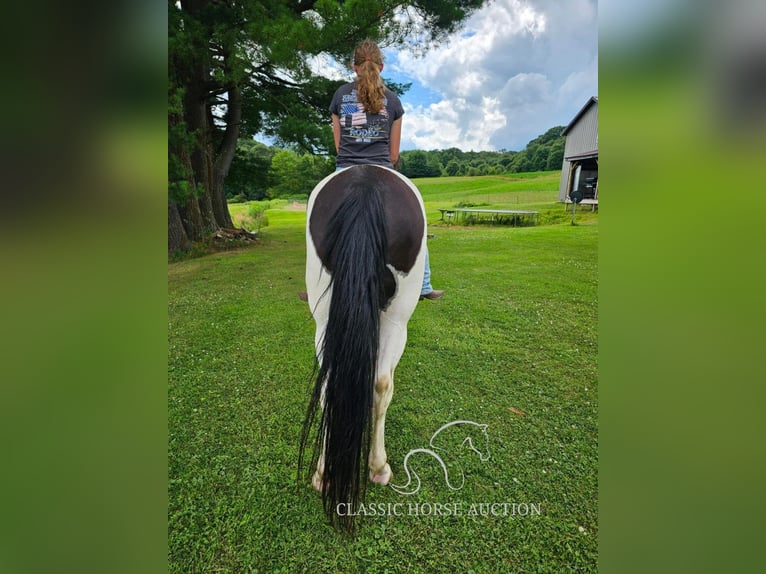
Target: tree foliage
241, 67
250, 173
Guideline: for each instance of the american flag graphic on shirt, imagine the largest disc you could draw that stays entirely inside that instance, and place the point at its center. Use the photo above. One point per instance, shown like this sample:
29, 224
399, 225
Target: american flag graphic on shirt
354, 113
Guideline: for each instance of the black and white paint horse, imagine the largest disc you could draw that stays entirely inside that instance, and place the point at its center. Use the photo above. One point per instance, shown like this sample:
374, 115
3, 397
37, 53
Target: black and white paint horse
365, 256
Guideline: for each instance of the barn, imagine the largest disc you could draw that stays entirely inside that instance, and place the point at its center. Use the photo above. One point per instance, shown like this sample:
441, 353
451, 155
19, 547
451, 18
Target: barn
579, 170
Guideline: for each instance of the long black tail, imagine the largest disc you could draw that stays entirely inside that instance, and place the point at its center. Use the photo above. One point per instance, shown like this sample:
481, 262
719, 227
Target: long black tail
357, 256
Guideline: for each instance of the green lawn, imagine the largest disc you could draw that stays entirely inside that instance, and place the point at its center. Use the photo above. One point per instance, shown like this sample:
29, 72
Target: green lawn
512, 344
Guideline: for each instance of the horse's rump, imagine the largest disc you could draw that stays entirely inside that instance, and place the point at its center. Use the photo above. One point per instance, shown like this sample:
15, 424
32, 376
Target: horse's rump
402, 207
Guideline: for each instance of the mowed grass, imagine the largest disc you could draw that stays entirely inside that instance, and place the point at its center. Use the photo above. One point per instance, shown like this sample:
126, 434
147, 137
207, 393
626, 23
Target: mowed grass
537, 191
512, 344
492, 190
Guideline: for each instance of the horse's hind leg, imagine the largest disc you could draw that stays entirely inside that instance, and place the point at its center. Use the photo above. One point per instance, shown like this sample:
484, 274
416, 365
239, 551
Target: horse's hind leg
393, 337
380, 471
316, 481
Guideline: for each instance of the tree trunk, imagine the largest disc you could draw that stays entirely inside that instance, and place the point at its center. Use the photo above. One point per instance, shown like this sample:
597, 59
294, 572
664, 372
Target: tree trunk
184, 209
191, 217
225, 156
211, 157
177, 238
196, 119
204, 200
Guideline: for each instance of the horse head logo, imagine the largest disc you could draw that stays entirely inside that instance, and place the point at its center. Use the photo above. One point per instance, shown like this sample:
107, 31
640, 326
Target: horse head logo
476, 434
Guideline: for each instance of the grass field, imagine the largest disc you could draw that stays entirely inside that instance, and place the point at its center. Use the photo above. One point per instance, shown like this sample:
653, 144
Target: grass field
512, 344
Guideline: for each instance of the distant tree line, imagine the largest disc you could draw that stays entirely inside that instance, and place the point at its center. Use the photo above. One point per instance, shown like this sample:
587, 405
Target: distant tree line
259, 171
545, 152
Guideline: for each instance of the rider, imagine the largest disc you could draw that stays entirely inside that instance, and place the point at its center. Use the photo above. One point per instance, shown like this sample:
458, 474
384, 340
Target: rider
367, 126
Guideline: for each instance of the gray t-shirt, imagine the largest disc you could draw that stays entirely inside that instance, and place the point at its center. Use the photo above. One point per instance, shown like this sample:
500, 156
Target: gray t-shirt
364, 137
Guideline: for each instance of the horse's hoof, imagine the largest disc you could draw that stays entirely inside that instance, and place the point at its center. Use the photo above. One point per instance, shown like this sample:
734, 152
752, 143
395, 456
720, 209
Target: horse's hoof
383, 477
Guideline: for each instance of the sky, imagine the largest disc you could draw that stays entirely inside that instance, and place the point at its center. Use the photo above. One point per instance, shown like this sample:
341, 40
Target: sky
515, 69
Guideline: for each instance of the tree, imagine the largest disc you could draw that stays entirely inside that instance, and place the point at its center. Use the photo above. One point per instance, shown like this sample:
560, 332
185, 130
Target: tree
481, 168
311, 169
556, 155
520, 163
540, 158
549, 137
417, 164
539, 150
284, 167
249, 172
506, 160
295, 175
452, 168
434, 165
239, 67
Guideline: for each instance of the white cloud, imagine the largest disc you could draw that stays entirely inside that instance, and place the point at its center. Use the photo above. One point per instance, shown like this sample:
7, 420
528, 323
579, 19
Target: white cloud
327, 66
516, 69
453, 123
579, 85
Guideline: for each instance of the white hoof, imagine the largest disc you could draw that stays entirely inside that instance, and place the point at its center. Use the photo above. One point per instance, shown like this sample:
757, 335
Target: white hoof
383, 477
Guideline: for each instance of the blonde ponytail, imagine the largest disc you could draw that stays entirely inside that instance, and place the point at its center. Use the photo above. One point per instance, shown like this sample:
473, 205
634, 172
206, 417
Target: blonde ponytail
369, 85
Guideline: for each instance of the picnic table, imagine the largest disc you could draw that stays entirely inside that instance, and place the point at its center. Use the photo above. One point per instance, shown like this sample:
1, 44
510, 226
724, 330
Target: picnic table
472, 215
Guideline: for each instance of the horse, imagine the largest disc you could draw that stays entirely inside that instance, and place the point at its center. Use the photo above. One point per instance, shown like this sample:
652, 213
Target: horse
468, 440
365, 258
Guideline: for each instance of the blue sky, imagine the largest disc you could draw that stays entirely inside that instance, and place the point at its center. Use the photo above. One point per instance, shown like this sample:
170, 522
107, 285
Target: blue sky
515, 69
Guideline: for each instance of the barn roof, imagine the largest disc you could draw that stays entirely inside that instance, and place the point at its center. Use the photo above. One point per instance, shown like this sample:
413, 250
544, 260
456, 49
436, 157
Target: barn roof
580, 156
588, 104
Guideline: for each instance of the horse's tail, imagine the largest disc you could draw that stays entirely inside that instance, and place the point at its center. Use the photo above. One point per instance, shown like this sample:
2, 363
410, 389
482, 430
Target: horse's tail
357, 243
